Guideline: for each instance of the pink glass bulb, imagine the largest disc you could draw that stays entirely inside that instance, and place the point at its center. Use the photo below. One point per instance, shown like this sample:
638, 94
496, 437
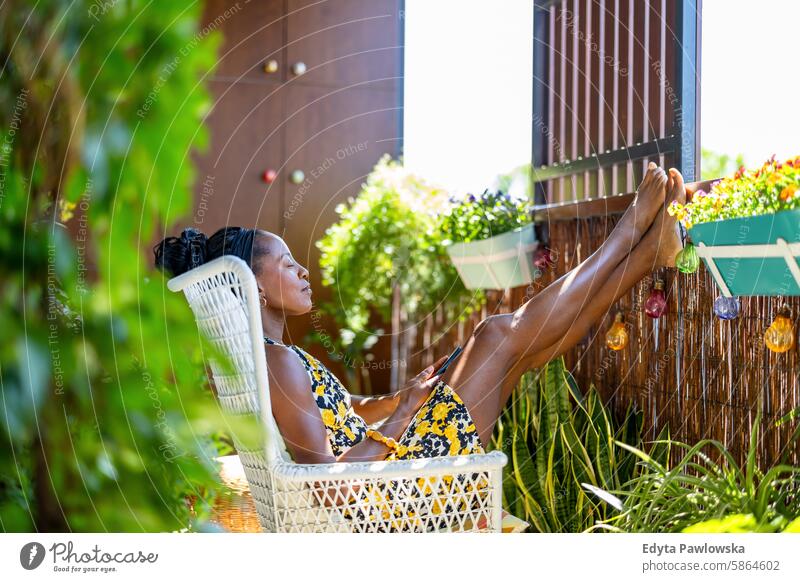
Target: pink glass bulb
656, 304
543, 258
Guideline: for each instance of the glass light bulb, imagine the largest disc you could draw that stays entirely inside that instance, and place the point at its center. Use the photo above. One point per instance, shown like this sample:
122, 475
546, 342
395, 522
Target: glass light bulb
617, 337
656, 304
687, 260
726, 307
542, 258
779, 337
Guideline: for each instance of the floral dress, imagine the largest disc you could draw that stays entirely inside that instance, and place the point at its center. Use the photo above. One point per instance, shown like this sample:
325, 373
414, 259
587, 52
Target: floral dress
442, 426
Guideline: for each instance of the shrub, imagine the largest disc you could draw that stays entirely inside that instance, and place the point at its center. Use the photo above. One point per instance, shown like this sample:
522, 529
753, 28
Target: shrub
698, 489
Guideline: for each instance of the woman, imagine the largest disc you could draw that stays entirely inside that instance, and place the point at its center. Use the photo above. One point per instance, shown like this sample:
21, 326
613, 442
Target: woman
453, 413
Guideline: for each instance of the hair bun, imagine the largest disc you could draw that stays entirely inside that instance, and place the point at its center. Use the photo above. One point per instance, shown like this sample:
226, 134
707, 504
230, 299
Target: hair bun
180, 254
195, 242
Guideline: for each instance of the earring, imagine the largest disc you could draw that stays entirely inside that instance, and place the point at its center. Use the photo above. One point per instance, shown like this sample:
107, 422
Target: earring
263, 301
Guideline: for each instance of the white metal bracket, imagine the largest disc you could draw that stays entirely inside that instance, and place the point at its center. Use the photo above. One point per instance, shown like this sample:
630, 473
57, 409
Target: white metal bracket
781, 249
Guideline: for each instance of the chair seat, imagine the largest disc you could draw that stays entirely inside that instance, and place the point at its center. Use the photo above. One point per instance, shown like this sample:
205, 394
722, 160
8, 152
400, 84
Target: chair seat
237, 512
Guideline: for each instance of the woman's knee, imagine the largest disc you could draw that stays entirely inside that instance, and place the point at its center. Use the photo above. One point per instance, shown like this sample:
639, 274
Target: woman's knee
499, 334
495, 331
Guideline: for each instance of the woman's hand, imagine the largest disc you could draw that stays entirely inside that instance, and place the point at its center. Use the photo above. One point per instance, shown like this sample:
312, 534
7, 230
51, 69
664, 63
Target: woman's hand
418, 388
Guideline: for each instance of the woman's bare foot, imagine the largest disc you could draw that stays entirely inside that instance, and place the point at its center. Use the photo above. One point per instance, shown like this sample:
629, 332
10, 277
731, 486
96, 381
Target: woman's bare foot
663, 236
645, 206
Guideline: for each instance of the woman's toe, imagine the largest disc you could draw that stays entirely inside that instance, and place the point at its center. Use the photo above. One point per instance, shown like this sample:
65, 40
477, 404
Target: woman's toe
648, 176
678, 192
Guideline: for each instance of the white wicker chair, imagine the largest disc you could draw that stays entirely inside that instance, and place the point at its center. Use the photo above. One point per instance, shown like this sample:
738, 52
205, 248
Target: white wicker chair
293, 497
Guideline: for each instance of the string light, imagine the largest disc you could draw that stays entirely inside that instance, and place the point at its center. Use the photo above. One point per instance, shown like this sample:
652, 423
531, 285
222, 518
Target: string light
617, 337
726, 307
779, 337
687, 259
543, 258
656, 304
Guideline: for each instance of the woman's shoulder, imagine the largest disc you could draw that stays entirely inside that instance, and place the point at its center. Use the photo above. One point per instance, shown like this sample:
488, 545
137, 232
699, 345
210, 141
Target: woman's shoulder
315, 368
283, 362
288, 352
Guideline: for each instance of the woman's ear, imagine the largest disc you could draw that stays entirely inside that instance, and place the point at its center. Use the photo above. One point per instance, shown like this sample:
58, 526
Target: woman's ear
262, 297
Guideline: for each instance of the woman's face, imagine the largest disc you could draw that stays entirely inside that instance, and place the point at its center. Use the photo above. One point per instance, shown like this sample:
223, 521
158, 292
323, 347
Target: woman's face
281, 279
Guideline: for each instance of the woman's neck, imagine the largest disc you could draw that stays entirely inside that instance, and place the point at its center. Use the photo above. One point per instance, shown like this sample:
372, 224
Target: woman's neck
272, 324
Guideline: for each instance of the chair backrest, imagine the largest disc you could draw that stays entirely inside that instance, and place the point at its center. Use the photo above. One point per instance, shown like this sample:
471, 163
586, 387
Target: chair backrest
224, 298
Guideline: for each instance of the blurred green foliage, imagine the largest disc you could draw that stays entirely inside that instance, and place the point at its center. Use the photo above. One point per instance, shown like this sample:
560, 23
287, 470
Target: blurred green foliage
517, 183
743, 523
104, 404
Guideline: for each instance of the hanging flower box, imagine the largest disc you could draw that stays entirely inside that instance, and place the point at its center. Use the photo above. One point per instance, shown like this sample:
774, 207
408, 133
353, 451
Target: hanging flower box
500, 262
746, 230
752, 256
490, 240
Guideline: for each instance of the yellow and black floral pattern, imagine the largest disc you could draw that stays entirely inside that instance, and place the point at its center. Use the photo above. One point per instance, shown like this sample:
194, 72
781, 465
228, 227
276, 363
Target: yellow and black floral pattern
345, 428
442, 426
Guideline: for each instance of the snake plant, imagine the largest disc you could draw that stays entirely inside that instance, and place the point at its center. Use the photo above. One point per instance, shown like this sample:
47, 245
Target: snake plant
556, 439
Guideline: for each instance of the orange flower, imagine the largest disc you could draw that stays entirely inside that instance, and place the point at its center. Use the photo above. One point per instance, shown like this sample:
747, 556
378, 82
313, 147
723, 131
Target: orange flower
788, 193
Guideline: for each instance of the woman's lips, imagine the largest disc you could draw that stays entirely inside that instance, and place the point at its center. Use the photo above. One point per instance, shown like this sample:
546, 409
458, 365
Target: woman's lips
308, 290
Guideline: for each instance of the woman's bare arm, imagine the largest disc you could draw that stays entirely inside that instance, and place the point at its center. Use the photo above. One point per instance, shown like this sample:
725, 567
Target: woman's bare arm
300, 422
374, 408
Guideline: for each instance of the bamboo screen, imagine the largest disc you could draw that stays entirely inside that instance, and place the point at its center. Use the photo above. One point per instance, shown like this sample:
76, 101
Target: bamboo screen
700, 375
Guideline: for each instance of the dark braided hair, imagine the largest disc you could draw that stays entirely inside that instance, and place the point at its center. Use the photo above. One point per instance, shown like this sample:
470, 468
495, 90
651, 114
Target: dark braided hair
192, 248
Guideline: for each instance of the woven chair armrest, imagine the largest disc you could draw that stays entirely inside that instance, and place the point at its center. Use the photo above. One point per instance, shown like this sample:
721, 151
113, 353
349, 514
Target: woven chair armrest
406, 468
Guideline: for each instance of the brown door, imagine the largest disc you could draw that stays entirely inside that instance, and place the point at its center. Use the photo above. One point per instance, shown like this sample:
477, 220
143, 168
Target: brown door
253, 36
345, 42
246, 142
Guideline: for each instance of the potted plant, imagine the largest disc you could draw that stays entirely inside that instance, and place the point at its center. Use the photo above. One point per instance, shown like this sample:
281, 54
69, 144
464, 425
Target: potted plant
746, 229
490, 240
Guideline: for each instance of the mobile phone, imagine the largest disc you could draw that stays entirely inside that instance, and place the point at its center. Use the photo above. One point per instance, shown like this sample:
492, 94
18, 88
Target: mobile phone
450, 359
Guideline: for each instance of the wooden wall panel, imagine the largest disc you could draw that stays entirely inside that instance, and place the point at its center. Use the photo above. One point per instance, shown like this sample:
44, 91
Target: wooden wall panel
345, 42
335, 137
252, 33
246, 140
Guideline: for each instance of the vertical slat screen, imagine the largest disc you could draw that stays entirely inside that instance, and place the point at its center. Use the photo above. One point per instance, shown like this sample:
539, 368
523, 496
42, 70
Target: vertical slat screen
612, 87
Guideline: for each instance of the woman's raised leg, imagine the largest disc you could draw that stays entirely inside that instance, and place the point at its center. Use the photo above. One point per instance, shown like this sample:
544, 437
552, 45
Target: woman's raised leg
657, 249
489, 369
546, 317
